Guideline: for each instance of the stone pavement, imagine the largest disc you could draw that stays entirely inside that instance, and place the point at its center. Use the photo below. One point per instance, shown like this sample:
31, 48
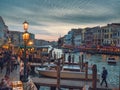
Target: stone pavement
14, 75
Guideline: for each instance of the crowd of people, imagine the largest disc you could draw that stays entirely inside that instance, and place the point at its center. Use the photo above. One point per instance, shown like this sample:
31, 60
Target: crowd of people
5, 83
9, 62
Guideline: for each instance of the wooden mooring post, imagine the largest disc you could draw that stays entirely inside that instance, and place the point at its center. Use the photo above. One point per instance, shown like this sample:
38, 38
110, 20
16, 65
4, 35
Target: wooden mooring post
37, 86
94, 77
52, 88
58, 74
86, 71
82, 58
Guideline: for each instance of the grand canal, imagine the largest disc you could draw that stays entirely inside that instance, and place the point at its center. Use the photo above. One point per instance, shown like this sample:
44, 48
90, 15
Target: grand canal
100, 61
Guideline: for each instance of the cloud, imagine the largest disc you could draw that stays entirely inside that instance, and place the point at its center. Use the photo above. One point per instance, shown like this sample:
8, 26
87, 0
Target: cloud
46, 37
51, 17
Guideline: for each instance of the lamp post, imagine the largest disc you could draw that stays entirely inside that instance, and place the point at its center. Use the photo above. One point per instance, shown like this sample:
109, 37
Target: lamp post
9, 44
26, 37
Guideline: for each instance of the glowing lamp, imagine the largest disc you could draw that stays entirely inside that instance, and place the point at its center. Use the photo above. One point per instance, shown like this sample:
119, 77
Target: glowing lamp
25, 25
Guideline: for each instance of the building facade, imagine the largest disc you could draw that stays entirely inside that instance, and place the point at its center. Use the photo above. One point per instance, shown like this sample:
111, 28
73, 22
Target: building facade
78, 40
3, 32
111, 34
108, 35
68, 39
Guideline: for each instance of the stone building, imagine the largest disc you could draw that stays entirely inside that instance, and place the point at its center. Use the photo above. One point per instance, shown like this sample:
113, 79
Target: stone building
3, 32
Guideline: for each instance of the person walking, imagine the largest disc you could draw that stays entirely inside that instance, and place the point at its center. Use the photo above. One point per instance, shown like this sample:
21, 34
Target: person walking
104, 76
1, 65
69, 59
21, 71
73, 58
8, 68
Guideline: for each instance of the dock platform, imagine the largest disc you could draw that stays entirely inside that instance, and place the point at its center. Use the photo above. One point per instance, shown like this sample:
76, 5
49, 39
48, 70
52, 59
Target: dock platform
65, 83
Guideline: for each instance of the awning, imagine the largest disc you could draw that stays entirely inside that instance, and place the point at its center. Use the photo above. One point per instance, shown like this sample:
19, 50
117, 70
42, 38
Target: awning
26, 46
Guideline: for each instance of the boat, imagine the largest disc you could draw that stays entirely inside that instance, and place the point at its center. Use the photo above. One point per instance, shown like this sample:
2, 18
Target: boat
111, 60
71, 68
49, 51
65, 74
44, 50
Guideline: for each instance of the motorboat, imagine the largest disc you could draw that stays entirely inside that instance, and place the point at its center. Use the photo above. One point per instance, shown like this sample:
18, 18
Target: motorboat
65, 74
111, 60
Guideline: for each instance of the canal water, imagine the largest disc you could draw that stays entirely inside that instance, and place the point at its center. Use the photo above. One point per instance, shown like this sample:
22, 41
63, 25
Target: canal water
100, 61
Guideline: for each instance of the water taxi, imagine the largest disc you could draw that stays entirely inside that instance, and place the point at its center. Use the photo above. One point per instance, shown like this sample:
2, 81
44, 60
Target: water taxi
111, 60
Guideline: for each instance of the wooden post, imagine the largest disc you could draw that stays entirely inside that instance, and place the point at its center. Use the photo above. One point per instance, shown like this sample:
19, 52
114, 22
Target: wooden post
86, 71
37, 86
94, 77
58, 74
82, 62
63, 59
55, 56
32, 69
52, 88
119, 79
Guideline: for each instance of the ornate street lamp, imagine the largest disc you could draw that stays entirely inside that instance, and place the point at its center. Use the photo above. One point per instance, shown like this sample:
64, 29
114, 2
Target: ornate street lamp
26, 37
25, 25
9, 43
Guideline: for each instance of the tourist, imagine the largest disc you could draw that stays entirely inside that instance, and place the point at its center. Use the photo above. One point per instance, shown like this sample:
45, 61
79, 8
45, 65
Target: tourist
73, 59
1, 62
55, 56
5, 83
16, 62
63, 59
28, 69
21, 71
7, 80
30, 57
69, 59
8, 67
13, 62
104, 76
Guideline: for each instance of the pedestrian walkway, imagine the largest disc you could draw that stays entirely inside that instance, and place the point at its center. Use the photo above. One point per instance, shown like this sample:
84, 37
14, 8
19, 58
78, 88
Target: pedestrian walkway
66, 83
14, 75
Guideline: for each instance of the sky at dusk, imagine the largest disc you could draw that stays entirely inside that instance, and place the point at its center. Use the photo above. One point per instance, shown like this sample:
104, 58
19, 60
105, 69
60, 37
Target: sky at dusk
50, 19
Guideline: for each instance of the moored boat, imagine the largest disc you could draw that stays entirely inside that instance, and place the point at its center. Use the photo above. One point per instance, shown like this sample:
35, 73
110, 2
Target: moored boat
111, 60
65, 74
